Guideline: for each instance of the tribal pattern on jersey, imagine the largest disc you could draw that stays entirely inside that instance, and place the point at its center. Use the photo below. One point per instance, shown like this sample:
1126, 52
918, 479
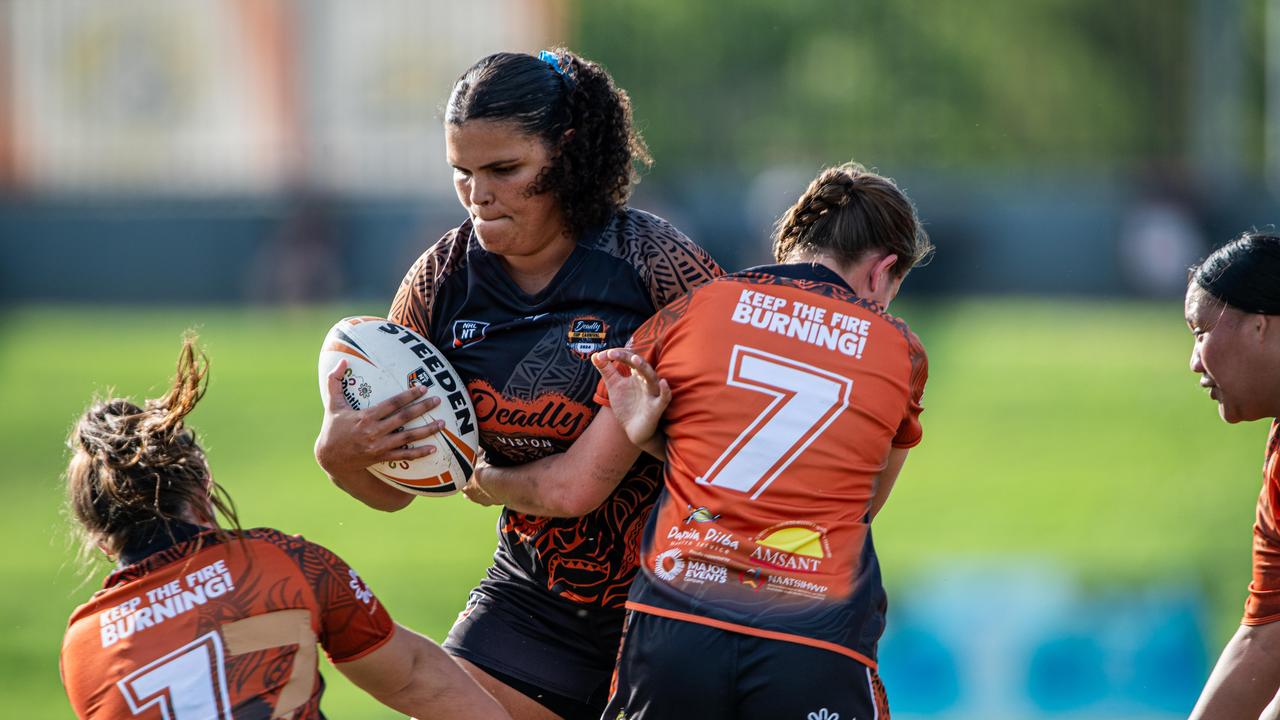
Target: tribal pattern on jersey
788, 393
1263, 604
224, 626
526, 361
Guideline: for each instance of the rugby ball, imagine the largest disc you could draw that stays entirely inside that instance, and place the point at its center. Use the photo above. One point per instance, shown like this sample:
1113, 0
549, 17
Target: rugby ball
384, 359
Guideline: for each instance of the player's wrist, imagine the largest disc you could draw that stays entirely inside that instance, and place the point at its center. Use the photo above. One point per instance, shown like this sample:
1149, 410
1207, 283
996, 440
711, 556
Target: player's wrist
483, 487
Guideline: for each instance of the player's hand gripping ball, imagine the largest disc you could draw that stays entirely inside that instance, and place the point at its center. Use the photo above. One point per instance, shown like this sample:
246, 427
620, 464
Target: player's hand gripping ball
384, 359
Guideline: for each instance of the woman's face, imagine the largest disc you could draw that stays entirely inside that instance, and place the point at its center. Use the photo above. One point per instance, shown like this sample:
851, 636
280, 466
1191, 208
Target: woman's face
1229, 356
494, 166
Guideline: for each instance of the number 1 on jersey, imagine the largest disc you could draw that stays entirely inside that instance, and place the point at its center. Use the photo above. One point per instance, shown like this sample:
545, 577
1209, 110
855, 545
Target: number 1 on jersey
187, 684
806, 399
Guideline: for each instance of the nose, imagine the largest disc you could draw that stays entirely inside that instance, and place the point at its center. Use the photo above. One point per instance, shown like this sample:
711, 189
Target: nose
1197, 366
480, 194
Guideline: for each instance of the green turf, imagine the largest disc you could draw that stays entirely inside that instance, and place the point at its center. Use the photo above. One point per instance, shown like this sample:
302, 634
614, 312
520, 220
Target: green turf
1066, 433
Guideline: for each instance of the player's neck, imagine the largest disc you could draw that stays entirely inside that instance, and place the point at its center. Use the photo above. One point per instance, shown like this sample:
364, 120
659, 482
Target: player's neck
869, 277
533, 272
845, 271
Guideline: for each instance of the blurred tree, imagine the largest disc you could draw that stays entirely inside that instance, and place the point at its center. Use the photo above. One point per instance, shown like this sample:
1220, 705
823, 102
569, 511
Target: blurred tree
994, 84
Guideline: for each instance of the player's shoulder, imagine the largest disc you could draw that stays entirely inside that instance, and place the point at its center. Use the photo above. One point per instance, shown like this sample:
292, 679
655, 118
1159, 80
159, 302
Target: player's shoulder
634, 226
265, 540
913, 340
643, 238
447, 254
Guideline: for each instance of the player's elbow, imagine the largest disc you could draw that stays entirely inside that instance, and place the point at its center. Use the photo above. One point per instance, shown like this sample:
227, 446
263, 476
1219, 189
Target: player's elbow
386, 502
575, 499
576, 506
378, 496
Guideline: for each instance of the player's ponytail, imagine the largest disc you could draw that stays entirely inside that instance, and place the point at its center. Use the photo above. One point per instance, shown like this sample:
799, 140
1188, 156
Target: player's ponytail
573, 106
848, 211
1244, 273
135, 471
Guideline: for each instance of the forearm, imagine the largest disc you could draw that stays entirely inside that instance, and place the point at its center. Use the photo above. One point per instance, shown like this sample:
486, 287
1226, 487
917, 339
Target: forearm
1246, 677
566, 484
412, 675
887, 478
439, 688
363, 486
544, 487
656, 446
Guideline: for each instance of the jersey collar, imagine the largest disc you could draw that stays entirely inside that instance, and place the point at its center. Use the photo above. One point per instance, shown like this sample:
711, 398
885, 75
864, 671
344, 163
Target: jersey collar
805, 271
156, 539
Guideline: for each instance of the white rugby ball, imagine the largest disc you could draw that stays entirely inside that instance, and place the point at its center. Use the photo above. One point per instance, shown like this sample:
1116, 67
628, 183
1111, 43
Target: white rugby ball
384, 359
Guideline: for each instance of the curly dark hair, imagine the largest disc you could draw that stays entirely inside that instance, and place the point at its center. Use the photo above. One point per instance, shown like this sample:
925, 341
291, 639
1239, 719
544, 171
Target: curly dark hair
594, 166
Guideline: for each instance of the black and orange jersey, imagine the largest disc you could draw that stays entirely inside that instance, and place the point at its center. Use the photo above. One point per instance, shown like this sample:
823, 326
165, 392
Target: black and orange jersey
219, 627
526, 360
788, 392
1263, 605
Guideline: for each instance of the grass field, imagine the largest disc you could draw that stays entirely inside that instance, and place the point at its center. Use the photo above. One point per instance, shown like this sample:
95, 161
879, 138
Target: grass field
1071, 432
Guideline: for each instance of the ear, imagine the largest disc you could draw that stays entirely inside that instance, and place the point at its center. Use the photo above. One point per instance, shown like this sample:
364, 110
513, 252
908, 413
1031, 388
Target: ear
106, 549
203, 514
880, 276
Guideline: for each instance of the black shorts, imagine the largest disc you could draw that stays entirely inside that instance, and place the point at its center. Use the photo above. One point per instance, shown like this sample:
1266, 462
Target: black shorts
677, 669
557, 653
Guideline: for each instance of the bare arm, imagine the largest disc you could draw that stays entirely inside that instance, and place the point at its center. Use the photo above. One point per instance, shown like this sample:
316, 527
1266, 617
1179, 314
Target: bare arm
1246, 677
412, 675
352, 440
887, 478
566, 484
656, 446
575, 482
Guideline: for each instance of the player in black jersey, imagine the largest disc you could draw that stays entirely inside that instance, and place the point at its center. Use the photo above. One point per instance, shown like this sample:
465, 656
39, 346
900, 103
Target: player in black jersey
549, 267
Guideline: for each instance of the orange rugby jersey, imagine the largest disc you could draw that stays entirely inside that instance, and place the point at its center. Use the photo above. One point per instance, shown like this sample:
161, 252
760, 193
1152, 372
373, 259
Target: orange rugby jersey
208, 628
788, 392
1263, 605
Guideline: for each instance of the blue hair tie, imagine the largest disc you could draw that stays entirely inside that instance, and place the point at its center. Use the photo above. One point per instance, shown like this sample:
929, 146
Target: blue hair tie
553, 60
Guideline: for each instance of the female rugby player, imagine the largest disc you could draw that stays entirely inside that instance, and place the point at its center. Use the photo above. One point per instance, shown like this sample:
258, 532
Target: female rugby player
549, 267
201, 621
794, 398
1233, 310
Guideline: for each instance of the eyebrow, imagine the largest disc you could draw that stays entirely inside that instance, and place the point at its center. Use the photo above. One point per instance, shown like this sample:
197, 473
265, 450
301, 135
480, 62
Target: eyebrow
490, 165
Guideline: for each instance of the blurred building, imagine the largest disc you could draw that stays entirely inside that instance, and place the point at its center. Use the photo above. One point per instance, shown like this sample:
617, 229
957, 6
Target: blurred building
292, 149
262, 149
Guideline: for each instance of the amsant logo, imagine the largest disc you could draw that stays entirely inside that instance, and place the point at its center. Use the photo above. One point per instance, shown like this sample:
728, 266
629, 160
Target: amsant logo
797, 546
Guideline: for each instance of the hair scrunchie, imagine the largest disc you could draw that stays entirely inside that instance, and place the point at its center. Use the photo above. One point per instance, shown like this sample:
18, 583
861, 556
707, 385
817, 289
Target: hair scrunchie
553, 60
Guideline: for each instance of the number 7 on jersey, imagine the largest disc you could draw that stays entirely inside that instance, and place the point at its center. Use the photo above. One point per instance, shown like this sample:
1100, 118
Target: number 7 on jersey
806, 400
